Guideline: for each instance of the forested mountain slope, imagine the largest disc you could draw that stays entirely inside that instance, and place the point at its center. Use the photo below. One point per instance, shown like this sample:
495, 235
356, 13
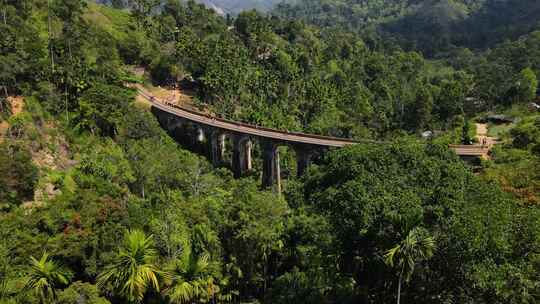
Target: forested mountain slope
234, 7
222, 7
99, 205
431, 26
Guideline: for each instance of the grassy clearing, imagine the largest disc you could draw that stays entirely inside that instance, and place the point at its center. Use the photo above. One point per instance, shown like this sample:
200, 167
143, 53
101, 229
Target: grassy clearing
114, 22
513, 170
498, 130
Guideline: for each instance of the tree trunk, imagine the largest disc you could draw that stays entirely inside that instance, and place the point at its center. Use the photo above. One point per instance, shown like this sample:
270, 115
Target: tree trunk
67, 106
49, 34
399, 286
142, 190
69, 48
2, 104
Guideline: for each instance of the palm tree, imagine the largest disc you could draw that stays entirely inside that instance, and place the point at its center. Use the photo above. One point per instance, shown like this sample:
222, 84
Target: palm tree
417, 246
45, 277
191, 278
134, 269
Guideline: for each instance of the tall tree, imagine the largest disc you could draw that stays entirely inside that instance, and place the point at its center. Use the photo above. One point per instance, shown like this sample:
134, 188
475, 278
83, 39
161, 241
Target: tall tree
422, 108
134, 271
191, 278
45, 277
527, 85
142, 10
417, 246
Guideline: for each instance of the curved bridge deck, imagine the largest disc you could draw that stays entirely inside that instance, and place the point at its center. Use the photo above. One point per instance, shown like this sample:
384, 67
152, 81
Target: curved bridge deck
243, 128
279, 135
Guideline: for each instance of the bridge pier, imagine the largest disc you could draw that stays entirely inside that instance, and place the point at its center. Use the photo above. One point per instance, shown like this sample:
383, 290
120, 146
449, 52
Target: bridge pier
221, 144
303, 159
200, 134
206, 135
271, 172
249, 147
217, 146
241, 158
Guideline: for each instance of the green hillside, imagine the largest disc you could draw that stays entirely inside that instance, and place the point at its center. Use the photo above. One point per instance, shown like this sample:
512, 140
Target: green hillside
431, 26
222, 7
99, 205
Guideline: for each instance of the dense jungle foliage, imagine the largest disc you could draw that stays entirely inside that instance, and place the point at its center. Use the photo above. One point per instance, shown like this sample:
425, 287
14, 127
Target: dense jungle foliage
431, 26
99, 205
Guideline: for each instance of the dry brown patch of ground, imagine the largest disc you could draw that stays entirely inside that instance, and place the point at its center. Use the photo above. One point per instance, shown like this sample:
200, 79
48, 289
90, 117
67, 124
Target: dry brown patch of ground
54, 155
4, 126
17, 104
140, 100
179, 97
50, 152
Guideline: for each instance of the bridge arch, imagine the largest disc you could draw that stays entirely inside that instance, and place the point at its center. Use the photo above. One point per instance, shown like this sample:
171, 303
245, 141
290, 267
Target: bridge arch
184, 124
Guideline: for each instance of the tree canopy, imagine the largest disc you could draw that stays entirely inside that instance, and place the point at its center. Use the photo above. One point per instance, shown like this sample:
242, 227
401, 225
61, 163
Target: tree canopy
98, 204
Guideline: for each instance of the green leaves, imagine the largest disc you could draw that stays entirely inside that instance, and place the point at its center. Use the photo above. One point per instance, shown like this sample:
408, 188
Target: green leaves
527, 84
45, 277
102, 108
107, 162
19, 175
191, 278
134, 270
417, 247
79, 291
389, 196
215, 239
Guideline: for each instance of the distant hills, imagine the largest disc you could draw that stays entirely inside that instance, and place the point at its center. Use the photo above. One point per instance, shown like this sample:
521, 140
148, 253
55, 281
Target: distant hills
432, 26
234, 7
222, 7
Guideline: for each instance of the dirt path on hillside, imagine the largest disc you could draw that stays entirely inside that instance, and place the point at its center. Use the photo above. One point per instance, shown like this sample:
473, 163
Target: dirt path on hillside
175, 96
482, 135
179, 97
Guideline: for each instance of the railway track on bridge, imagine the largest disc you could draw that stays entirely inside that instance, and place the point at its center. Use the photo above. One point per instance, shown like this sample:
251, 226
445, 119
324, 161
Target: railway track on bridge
280, 135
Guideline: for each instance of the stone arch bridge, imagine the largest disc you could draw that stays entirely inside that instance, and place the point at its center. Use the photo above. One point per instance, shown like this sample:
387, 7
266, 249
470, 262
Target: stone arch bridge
204, 126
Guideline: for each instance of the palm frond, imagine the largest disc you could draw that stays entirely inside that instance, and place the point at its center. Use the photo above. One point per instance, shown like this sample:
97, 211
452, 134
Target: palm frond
417, 246
45, 275
133, 271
